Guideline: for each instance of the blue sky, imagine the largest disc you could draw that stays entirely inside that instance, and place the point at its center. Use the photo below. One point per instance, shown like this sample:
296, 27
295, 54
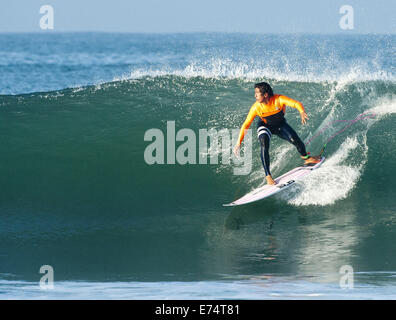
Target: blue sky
158, 16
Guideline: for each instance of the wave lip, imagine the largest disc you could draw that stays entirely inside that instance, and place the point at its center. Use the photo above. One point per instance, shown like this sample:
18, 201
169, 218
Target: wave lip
226, 68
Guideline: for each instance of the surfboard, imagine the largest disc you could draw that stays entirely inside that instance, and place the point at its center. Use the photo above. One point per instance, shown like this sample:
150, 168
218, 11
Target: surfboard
283, 182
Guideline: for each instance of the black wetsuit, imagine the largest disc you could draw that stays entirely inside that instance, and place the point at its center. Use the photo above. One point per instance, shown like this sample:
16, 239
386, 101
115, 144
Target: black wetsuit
276, 124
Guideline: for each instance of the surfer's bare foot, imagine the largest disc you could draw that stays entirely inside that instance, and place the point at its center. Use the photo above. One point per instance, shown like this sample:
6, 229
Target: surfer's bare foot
312, 160
270, 181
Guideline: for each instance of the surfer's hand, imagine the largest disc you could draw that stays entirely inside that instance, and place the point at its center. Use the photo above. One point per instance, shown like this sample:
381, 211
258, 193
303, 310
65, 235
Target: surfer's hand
236, 150
304, 117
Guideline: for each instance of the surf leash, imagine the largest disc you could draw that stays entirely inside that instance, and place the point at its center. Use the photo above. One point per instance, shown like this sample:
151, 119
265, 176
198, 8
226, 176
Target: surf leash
361, 116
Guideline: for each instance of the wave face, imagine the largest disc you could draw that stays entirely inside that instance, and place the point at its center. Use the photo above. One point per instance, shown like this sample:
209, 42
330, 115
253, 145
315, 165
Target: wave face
77, 193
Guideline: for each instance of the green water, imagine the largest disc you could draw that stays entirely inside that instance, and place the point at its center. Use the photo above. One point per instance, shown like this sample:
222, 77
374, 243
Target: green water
77, 193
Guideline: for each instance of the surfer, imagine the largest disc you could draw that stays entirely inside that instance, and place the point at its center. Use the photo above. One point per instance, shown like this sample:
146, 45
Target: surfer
271, 108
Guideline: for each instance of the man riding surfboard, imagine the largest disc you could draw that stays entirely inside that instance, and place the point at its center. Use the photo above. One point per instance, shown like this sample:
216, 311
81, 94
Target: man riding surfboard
271, 108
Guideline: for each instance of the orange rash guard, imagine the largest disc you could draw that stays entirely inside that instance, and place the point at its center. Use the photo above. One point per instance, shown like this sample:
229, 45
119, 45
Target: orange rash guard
276, 104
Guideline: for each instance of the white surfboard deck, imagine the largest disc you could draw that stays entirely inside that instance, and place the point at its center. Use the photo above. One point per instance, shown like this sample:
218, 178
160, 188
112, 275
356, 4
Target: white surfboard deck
283, 182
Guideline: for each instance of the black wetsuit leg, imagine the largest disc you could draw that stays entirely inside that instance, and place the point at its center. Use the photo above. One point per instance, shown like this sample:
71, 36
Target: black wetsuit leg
287, 133
264, 135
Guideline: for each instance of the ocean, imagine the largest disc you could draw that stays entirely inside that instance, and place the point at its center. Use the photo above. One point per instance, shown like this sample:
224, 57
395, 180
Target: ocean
78, 194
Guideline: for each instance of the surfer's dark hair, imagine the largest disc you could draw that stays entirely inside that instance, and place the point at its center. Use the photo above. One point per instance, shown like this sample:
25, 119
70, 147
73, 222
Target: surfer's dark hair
264, 87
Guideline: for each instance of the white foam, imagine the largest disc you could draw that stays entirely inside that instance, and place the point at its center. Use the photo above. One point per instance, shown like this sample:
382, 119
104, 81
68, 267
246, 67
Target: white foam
219, 68
340, 173
384, 106
334, 180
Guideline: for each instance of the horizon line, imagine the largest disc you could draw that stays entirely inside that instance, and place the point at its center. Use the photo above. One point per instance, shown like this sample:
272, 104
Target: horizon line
199, 32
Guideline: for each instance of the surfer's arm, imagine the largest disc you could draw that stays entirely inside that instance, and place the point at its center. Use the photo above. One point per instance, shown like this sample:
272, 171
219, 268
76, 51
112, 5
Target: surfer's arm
249, 119
286, 101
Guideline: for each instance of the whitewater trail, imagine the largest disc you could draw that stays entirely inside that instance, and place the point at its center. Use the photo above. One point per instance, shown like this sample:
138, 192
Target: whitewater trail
341, 171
